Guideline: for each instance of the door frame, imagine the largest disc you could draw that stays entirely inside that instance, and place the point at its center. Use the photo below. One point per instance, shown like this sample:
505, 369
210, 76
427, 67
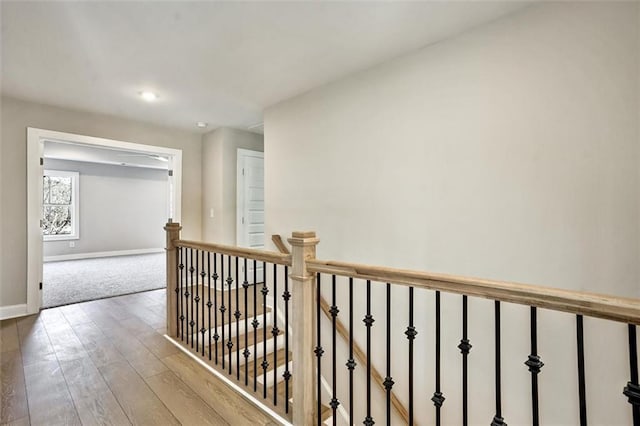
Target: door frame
35, 148
240, 193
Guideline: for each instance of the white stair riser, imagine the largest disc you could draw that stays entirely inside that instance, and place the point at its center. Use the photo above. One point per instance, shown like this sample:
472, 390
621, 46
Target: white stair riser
281, 370
234, 330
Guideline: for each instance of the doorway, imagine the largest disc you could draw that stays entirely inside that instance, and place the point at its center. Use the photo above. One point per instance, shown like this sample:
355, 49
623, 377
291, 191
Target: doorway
114, 153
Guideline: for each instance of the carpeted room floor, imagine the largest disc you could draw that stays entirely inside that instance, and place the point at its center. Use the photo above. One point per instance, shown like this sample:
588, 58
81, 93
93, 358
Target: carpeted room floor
73, 281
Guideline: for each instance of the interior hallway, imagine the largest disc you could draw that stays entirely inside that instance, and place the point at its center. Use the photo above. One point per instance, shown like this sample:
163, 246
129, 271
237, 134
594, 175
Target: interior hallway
107, 362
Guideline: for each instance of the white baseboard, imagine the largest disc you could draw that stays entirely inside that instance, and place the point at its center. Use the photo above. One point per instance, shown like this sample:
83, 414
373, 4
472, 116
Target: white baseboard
13, 311
97, 254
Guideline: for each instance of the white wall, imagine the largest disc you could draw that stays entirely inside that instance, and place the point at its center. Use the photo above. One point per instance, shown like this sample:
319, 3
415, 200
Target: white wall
121, 208
219, 168
508, 152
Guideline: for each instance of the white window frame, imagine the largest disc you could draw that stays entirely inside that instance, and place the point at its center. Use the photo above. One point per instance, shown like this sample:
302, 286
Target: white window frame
75, 206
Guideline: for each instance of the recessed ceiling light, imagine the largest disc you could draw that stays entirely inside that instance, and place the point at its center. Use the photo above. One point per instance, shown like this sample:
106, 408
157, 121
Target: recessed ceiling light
148, 96
201, 124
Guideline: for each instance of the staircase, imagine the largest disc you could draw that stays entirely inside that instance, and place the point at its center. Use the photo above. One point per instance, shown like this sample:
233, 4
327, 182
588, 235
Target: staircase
250, 329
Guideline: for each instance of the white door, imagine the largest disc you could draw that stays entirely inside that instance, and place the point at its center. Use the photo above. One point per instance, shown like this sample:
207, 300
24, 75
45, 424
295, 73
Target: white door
250, 200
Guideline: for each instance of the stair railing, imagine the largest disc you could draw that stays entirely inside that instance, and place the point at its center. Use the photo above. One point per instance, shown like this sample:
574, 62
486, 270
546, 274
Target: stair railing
190, 279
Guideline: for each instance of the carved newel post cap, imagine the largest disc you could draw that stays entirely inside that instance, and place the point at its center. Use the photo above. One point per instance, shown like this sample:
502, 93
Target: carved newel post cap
303, 234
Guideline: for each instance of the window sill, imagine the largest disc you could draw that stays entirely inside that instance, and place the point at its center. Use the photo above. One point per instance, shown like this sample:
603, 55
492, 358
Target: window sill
50, 238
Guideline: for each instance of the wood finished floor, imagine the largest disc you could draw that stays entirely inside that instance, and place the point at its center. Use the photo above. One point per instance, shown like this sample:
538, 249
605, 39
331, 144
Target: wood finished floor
106, 362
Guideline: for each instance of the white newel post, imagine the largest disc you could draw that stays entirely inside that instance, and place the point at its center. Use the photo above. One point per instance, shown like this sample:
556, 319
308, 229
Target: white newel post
173, 234
303, 308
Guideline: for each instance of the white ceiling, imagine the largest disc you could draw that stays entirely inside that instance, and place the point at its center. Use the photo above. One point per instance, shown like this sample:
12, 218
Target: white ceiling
219, 62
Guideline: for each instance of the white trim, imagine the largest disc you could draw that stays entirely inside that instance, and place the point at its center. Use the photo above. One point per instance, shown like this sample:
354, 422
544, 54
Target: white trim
232, 385
97, 254
13, 311
35, 146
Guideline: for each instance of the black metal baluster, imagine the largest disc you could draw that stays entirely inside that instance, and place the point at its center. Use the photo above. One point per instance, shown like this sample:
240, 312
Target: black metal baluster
274, 332
351, 363
178, 286
318, 351
223, 309
203, 274
287, 374
438, 397
632, 390
255, 324
209, 304
581, 379
229, 283
411, 334
246, 352
192, 323
497, 419
197, 300
186, 294
237, 314
535, 364
388, 380
265, 362
181, 298
216, 336
465, 348
334, 314
368, 321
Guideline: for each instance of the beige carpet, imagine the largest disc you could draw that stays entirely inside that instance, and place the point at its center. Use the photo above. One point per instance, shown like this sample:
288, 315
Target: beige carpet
73, 281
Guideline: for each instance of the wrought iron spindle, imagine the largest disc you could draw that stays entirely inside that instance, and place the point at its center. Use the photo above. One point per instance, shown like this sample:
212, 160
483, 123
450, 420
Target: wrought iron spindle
216, 336
632, 390
334, 314
388, 380
209, 304
275, 332
229, 283
192, 323
181, 293
535, 364
438, 397
411, 334
265, 362
497, 419
255, 324
246, 352
237, 314
287, 374
368, 321
177, 290
351, 363
223, 309
195, 290
186, 294
581, 379
318, 351
465, 348
203, 274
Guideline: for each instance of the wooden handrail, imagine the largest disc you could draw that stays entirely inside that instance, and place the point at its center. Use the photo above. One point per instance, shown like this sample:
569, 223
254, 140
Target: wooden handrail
261, 255
362, 359
282, 247
613, 308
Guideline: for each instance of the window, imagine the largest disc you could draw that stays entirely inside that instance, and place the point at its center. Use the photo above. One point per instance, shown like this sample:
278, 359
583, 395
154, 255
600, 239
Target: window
60, 205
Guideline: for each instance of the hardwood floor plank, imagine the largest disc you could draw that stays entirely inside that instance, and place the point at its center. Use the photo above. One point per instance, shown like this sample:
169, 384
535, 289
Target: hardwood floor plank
9, 336
230, 405
34, 341
158, 345
13, 395
145, 363
137, 400
183, 402
49, 400
19, 422
93, 399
